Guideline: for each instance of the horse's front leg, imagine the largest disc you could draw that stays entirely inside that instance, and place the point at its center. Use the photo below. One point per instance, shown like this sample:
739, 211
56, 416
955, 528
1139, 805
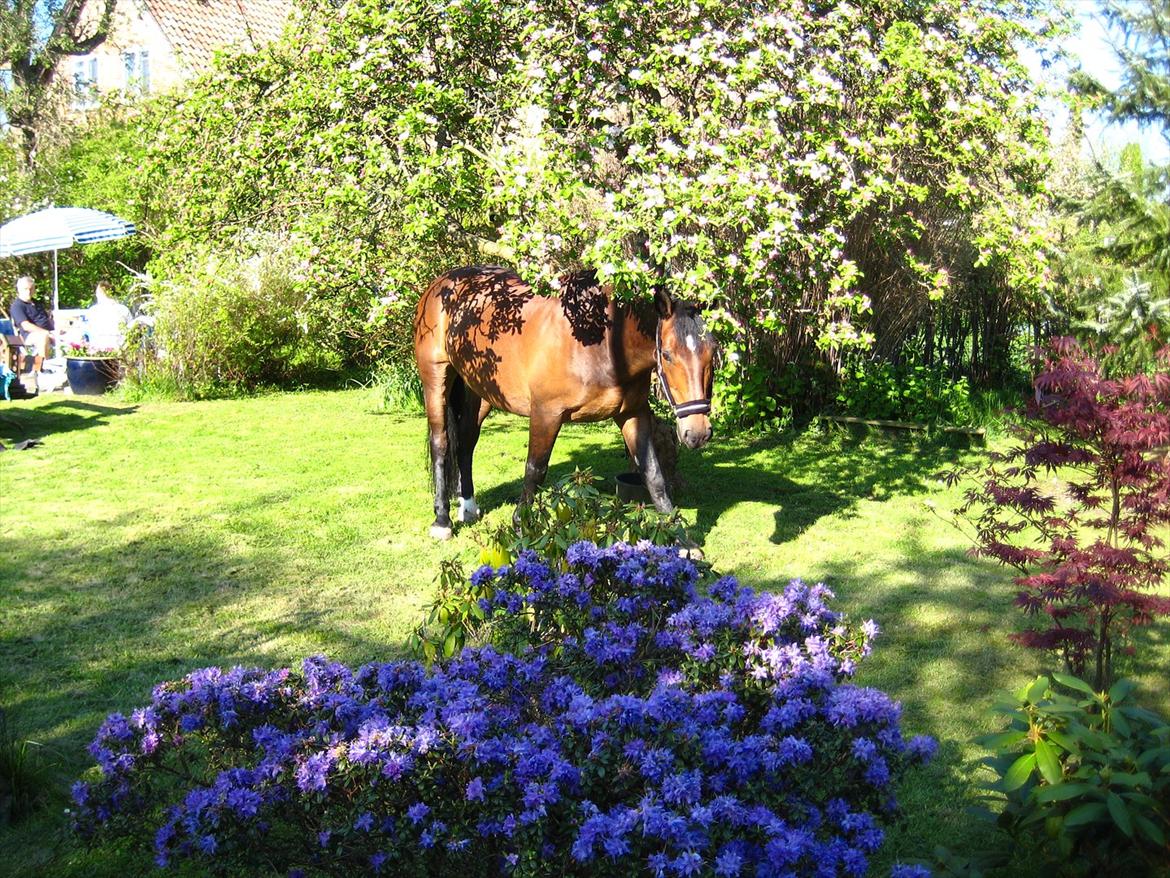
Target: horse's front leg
543, 428
637, 430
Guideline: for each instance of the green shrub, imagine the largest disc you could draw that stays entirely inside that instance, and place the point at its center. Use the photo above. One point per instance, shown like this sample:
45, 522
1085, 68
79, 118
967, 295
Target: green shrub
573, 509
456, 617
562, 514
909, 393
750, 396
398, 387
227, 323
1086, 776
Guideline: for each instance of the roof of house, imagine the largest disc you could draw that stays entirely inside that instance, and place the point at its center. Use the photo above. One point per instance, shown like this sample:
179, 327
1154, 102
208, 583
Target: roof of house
196, 28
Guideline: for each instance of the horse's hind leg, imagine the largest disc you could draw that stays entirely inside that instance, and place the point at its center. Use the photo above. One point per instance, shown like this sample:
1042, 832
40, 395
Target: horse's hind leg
470, 421
437, 380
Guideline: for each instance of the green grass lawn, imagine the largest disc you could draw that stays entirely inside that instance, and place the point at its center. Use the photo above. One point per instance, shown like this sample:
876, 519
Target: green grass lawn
138, 543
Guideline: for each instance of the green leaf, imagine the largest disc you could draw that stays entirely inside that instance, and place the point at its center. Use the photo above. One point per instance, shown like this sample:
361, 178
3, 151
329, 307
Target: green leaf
1147, 759
449, 644
1002, 741
1083, 814
1031, 818
999, 763
1119, 813
1120, 723
1047, 762
1127, 779
1073, 683
1061, 706
1139, 802
1119, 690
1141, 713
1063, 739
1019, 772
1150, 829
1094, 741
1035, 691
1062, 792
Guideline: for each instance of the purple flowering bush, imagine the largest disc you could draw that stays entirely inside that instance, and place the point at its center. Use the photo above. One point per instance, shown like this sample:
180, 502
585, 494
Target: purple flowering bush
640, 728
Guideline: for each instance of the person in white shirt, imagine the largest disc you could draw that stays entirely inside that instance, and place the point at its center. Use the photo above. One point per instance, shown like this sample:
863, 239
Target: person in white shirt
106, 319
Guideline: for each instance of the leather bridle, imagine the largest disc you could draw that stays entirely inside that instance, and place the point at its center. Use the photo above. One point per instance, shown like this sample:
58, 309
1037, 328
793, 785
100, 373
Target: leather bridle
681, 409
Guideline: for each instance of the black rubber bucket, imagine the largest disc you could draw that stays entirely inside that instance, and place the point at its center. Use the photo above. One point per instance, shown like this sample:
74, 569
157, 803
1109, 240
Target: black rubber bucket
632, 489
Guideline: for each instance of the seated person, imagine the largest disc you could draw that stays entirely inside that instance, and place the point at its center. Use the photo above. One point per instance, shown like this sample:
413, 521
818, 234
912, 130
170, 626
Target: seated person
32, 321
106, 319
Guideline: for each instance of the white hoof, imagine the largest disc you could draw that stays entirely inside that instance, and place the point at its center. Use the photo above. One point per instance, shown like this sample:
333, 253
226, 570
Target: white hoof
440, 533
468, 511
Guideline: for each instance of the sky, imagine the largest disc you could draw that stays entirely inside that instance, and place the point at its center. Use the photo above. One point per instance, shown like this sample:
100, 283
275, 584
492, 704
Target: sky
1092, 47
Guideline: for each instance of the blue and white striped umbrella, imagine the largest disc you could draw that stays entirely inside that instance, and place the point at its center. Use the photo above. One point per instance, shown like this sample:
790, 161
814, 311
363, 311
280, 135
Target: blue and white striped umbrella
58, 228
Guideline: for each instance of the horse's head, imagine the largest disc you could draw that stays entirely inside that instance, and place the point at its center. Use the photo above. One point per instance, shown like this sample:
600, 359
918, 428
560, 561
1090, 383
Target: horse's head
685, 351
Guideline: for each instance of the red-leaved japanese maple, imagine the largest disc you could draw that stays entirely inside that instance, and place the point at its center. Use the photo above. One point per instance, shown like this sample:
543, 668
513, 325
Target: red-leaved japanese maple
1075, 506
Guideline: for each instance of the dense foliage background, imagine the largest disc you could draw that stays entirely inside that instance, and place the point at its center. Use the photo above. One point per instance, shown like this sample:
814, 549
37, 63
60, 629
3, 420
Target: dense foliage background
861, 194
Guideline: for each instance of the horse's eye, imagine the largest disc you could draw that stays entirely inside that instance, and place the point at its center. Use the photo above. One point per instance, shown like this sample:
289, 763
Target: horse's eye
667, 357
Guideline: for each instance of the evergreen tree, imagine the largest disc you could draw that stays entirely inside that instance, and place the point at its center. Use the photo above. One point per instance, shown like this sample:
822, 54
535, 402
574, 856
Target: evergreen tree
1136, 196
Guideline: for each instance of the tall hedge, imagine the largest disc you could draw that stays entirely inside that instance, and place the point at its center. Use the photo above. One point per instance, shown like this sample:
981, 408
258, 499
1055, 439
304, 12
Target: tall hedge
826, 177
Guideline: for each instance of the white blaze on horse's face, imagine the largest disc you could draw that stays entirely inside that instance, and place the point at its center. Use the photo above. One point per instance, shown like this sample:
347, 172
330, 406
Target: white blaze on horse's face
686, 358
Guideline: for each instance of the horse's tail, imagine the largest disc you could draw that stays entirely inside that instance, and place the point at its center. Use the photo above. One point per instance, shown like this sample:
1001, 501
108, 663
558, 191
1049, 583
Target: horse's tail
455, 409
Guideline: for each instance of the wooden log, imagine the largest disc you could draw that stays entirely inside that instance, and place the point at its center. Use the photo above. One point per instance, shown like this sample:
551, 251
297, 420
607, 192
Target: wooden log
971, 436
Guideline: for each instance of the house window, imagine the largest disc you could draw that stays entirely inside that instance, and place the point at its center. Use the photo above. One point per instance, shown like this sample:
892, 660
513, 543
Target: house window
6, 87
85, 80
137, 65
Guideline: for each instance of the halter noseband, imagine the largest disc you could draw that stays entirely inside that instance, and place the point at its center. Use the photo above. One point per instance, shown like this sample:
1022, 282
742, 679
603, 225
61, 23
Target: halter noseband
682, 409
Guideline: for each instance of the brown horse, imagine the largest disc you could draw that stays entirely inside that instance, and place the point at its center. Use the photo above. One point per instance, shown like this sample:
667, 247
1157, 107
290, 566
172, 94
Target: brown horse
484, 340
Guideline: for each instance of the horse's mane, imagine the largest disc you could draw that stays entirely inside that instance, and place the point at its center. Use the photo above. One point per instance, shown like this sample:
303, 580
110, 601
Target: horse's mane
586, 304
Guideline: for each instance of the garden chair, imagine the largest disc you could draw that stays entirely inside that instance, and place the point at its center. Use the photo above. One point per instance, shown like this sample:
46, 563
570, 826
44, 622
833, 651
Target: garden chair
11, 344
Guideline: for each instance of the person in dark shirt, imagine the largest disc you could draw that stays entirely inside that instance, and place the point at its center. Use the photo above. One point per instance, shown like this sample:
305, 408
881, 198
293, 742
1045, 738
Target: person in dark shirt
32, 321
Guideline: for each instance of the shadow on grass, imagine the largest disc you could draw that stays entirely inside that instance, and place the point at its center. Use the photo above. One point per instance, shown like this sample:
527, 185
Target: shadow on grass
594, 448
63, 416
944, 653
950, 641
105, 623
836, 473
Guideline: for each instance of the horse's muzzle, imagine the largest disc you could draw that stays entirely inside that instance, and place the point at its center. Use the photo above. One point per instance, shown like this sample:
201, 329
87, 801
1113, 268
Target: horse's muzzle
695, 431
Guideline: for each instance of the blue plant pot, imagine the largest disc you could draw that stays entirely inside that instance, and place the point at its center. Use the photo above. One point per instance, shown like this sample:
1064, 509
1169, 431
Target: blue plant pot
91, 377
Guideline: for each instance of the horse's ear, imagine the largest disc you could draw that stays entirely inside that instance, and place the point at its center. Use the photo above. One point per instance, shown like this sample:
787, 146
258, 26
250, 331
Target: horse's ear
663, 303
